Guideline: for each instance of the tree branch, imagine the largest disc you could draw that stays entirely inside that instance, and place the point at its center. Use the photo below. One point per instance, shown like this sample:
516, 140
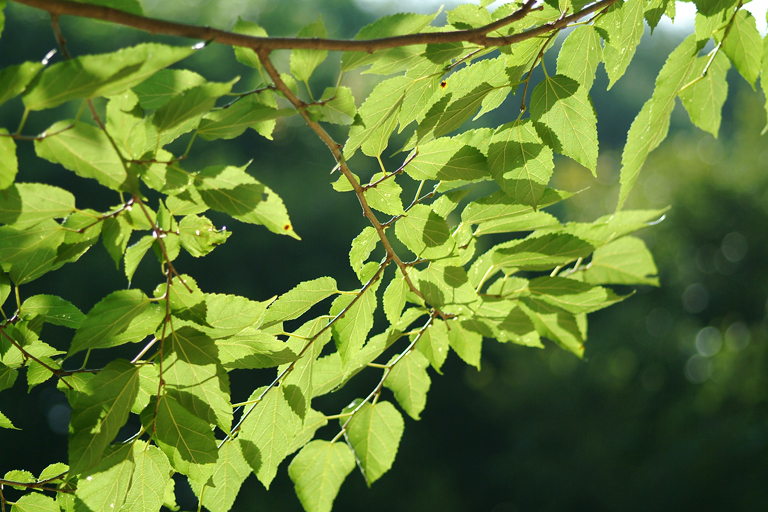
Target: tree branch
477, 36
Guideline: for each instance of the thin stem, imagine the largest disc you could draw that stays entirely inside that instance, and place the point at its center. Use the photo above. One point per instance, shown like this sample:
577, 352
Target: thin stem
32, 357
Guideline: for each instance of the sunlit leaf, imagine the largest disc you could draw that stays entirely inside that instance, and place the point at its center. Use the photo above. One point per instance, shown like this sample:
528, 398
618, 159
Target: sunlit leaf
375, 432
297, 301
409, 381
318, 471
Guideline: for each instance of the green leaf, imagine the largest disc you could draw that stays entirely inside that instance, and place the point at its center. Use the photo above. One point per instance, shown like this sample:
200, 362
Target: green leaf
337, 106
743, 46
375, 433
433, 343
9, 164
232, 120
362, 246
165, 85
86, 151
151, 474
116, 232
135, 253
467, 343
14, 79
32, 252
229, 474
377, 118
520, 162
556, 324
186, 439
499, 206
105, 74
385, 196
299, 300
651, 125
350, 331
318, 471
387, 26
125, 316
51, 309
623, 28
541, 252
99, 412
579, 56
188, 107
251, 348
448, 159
35, 502
231, 190
655, 9
6, 423
106, 486
195, 378
394, 298
409, 381
304, 62
230, 314
425, 233
711, 16
764, 77
267, 432
312, 422
246, 55
571, 295
704, 99
199, 236
149, 382
565, 119
25, 204
625, 261
7, 377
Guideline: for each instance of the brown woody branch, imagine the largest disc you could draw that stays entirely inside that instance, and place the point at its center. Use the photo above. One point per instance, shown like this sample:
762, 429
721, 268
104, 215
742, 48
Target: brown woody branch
477, 36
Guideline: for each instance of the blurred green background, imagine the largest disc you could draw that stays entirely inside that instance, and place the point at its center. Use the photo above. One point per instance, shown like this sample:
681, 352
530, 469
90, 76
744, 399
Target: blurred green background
669, 410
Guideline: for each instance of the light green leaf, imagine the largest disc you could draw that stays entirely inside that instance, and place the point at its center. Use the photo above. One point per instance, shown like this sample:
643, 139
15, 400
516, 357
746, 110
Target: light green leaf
541, 252
362, 246
151, 474
425, 233
230, 314
125, 316
100, 75
711, 16
195, 378
433, 343
199, 236
377, 118
6, 423
7, 377
499, 206
623, 28
625, 261
651, 125
232, 120
116, 232
54, 471
318, 471
704, 100
135, 253
764, 77
312, 422
186, 439
743, 46
385, 196
448, 159
655, 9
32, 252
229, 474
51, 309
579, 56
106, 486
99, 412
14, 79
387, 26
299, 300
267, 432
350, 331
396, 60
85, 150
165, 85
9, 164
520, 162
251, 348
409, 381
394, 298
375, 433
189, 106
5, 287
149, 382
246, 55
556, 324
571, 295
304, 62
565, 119
467, 343
231, 190
25, 204
35, 502
337, 106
